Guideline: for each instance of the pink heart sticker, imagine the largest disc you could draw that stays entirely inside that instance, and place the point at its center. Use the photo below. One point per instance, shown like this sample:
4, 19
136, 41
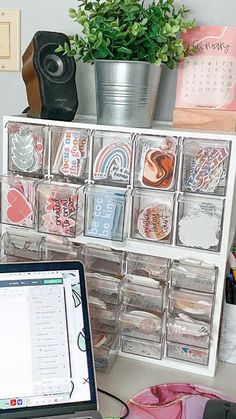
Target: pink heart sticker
19, 208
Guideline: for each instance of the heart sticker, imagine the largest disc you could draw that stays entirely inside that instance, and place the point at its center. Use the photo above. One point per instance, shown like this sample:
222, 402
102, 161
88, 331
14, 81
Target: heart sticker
19, 208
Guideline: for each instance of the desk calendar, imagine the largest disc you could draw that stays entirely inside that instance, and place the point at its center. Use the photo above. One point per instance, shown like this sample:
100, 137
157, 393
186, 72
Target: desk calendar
207, 79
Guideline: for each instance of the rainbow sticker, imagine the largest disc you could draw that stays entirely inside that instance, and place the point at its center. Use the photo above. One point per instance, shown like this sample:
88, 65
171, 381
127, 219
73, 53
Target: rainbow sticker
113, 161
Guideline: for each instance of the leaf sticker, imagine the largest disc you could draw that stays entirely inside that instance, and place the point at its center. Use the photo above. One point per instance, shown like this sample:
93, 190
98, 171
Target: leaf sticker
81, 342
76, 298
23, 152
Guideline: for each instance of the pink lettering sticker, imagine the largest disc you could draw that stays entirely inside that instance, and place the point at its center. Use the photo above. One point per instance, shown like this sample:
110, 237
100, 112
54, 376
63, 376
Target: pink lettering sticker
74, 153
60, 214
155, 221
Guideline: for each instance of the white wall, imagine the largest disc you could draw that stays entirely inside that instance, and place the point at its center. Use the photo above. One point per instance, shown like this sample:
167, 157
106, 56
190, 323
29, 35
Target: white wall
53, 15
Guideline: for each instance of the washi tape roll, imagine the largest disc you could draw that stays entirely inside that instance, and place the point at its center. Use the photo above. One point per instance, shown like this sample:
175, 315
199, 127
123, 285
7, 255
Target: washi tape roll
99, 340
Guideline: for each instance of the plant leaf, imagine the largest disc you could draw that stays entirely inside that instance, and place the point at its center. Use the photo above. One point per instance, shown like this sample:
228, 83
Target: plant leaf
125, 50
129, 30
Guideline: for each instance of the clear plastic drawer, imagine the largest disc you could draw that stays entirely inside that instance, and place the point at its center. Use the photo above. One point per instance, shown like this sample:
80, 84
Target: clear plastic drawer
140, 324
104, 259
200, 222
18, 201
70, 153
111, 158
195, 304
142, 347
147, 265
152, 214
193, 275
143, 293
60, 208
104, 287
27, 148
184, 329
188, 353
105, 347
105, 213
205, 166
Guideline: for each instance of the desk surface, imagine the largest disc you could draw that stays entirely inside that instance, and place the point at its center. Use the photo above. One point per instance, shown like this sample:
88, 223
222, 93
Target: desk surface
128, 377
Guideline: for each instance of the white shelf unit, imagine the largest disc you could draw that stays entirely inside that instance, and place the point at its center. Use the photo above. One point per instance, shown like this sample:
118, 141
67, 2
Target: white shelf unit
170, 251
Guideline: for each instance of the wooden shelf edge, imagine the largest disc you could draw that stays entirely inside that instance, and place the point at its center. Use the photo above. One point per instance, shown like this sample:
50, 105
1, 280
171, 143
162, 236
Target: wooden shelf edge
204, 119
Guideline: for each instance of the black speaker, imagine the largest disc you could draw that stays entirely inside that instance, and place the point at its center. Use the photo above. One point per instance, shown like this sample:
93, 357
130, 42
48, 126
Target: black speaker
49, 77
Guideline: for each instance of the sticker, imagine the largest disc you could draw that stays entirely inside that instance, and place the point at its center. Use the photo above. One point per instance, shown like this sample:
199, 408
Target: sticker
106, 218
194, 353
26, 146
113, 161
158, 164
26, 151
200, 226
60, 214
81, 341
19, 201
154, 222
158, 169
206, 169
74, 153
19, 208
200, 230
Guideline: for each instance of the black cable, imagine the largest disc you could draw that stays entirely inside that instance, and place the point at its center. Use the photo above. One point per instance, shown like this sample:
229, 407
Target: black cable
117, 399
72, 387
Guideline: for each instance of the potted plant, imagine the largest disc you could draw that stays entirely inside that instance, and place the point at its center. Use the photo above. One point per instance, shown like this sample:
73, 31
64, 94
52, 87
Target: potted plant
128, 42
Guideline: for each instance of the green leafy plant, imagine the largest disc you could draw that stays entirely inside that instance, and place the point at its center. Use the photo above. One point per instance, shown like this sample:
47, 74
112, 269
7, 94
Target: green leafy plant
129, 30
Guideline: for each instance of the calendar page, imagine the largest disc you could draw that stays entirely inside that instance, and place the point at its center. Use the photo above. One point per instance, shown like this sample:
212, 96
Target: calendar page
207, 79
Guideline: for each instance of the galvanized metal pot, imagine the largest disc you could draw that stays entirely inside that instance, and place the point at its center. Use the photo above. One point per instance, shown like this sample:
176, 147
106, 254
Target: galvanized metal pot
126, 92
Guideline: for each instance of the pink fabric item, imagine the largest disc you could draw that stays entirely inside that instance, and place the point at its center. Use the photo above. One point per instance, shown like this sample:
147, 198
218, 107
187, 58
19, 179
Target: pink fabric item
172, 401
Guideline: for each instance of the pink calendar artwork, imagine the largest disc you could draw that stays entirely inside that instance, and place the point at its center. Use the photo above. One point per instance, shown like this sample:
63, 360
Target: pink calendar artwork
208, 79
